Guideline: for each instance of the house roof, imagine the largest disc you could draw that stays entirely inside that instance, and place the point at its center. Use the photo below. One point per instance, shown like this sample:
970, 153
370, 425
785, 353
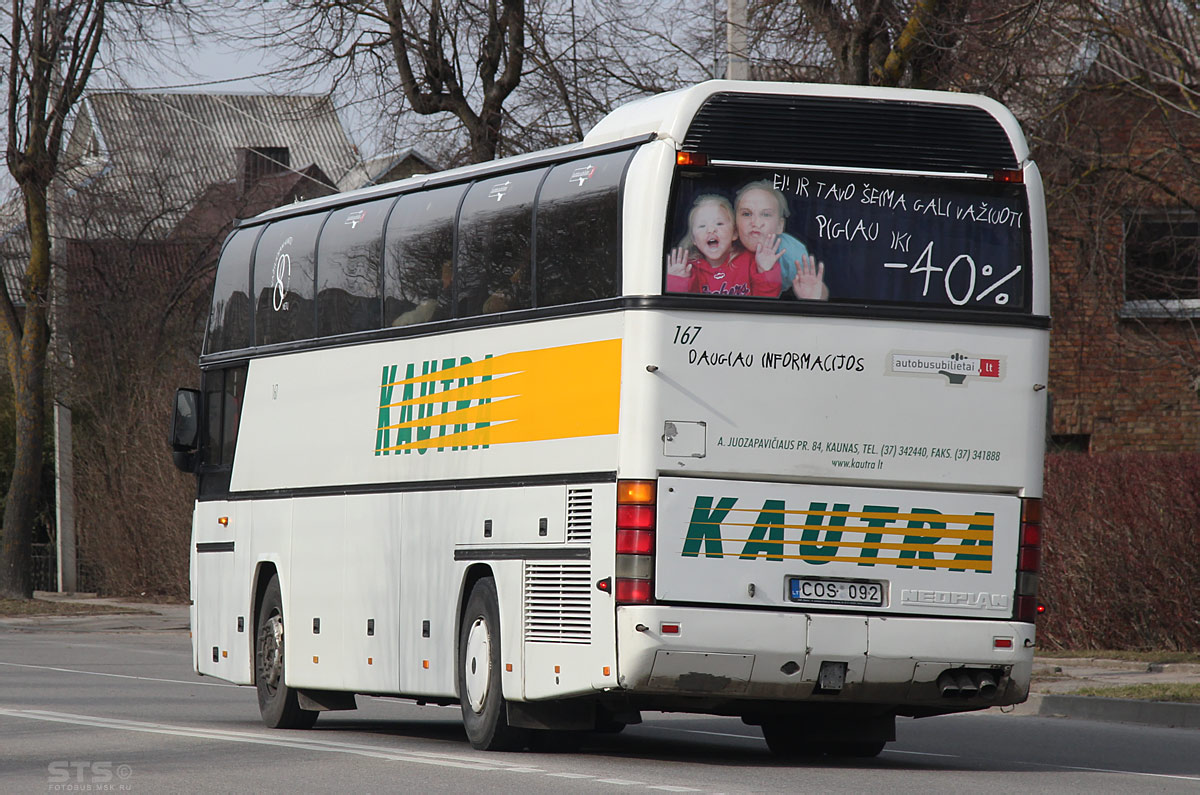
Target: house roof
1148, 43
137, 161
382, 168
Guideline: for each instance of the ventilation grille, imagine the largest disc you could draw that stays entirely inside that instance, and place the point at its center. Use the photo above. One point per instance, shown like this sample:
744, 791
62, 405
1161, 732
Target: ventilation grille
579, 515
558, 601
839, 131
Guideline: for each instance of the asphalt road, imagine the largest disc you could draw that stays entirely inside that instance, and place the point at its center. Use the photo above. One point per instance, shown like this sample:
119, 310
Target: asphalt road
121, 711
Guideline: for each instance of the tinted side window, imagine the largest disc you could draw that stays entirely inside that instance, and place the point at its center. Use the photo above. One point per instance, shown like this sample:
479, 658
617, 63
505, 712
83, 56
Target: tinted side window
579, 230
229, 321
419, 257
283, 280
495, 233
350, 270
223, 393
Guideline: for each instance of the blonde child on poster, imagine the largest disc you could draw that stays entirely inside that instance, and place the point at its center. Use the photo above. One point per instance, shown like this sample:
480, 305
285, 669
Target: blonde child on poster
709, 261
760, 212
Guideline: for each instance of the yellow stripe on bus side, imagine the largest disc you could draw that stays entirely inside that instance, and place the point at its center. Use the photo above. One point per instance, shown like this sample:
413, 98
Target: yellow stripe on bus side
550, 393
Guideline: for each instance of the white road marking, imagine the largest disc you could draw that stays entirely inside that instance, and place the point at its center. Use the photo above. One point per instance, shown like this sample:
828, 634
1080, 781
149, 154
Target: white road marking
1052, 766
121, 676
308, 743
714, 734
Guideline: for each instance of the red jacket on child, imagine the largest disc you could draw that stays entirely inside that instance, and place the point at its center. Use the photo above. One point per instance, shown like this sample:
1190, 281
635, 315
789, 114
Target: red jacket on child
739, 275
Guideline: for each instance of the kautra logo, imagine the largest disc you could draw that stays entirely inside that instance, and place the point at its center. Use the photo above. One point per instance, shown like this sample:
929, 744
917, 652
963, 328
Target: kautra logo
416, 414
456, 404
869, 535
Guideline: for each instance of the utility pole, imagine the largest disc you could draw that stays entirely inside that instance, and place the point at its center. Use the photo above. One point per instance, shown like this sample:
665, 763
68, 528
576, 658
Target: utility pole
737, 63
64, 492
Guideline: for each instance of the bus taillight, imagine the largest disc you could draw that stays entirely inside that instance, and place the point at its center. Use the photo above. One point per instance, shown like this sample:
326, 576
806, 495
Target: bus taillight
635, 542
1029, 559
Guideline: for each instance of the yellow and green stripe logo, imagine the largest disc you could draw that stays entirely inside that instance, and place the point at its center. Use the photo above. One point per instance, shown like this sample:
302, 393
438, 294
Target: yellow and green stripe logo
525, 396
872, 535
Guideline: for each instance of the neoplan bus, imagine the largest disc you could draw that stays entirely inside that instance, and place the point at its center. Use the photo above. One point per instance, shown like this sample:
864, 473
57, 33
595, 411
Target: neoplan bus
735, 407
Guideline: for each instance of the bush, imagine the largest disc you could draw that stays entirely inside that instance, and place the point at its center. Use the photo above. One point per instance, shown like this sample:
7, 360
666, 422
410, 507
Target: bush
1119, 556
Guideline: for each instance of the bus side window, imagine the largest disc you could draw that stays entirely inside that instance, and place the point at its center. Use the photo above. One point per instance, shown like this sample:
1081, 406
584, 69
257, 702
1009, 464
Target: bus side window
579, 230
284, 279
223, 394
418, 257
349, 269
495, 232
229, 320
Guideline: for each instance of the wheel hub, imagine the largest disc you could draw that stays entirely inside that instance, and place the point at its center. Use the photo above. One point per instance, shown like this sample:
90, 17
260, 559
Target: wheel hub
271, 652
477, 664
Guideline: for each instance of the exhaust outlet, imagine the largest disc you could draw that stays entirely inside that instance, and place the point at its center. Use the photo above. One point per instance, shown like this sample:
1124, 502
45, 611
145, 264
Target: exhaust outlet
966, 685
986, 684
946, 685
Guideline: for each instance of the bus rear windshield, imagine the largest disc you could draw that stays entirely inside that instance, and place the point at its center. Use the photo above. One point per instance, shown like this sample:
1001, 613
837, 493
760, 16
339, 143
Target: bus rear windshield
805, 234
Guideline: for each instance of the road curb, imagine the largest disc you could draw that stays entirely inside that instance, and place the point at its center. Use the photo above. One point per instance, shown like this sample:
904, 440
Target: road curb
1117, 710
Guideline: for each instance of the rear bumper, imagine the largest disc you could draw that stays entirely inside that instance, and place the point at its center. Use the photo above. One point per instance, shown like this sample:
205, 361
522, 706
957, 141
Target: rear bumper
778, 656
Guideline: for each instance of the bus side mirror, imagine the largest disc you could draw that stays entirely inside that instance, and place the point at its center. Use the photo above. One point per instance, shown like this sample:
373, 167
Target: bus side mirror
185, 429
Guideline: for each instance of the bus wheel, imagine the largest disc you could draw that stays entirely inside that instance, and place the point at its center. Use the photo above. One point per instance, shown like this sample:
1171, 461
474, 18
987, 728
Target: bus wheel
855, 749
276, 701
785, 742
485, 713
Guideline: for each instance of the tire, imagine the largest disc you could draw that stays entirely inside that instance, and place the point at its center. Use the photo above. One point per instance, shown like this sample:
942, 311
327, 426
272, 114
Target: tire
787, 743
857, 749
276, 701
485, 713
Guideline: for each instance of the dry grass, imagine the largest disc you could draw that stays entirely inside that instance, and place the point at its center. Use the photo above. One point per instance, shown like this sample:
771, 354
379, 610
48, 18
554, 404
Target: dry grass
1113, 654
12, 608
1168, 691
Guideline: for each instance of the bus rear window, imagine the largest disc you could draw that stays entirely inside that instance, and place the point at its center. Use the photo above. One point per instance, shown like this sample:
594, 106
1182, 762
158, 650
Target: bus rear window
805, 234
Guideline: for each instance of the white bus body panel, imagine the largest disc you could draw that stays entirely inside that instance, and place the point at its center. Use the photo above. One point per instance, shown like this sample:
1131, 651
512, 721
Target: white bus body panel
915, 552
840, 401
778, 655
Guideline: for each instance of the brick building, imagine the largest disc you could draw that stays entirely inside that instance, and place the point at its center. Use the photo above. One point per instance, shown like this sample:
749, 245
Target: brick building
1122, 165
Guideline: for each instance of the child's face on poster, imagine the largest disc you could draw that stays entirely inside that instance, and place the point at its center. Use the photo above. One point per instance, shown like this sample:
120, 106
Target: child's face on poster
758, 218
712, 232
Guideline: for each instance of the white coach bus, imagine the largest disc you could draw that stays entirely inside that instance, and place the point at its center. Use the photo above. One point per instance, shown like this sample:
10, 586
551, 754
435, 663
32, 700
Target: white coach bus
735, 407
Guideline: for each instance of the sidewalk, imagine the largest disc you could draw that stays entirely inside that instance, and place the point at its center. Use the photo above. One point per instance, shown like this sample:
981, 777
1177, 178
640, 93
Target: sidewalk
149, 616
1054, 678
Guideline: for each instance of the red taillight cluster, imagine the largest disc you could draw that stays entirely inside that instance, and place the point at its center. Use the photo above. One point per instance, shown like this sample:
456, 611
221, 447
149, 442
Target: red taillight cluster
1029, 560
635, 542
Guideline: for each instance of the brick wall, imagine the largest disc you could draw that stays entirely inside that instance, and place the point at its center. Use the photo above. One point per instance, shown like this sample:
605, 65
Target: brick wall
1127, 383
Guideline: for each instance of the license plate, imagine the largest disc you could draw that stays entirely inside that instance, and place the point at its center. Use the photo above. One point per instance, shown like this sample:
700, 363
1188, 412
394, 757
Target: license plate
814, 590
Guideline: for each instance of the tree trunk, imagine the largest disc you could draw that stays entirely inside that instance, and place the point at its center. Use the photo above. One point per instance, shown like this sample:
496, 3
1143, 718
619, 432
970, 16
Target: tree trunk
26, 354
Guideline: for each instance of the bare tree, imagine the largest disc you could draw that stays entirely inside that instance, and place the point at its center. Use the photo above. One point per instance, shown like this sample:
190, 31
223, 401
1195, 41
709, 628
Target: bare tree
51, 48
452, 58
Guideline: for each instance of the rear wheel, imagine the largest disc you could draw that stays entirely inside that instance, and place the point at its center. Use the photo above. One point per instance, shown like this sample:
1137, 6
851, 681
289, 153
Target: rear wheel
856, 749
786, 742
484, 710
276, 701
